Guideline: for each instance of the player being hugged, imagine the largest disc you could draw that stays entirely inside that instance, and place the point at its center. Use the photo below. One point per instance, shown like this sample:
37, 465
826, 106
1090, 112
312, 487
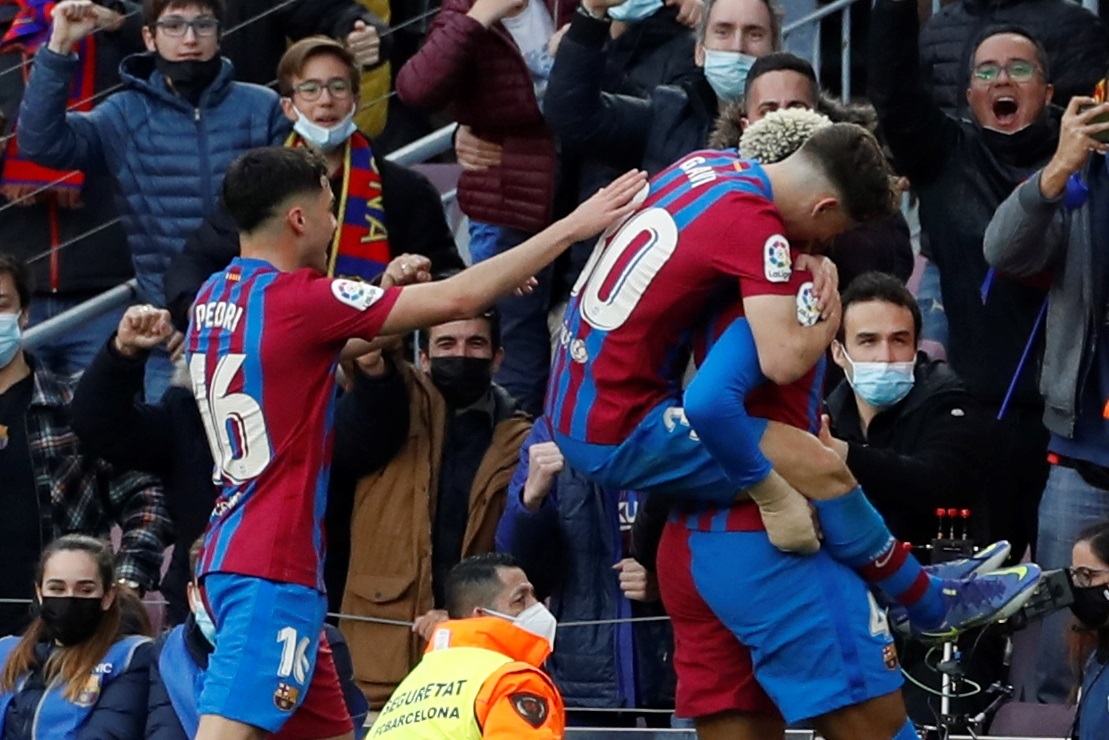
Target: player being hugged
265, 336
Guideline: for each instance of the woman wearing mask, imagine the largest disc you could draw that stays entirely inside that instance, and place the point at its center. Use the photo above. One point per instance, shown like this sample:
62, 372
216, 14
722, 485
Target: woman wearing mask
73, 675
1090, 577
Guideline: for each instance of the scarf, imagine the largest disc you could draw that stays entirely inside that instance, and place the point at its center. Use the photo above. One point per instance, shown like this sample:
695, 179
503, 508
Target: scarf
360, 247
29, 30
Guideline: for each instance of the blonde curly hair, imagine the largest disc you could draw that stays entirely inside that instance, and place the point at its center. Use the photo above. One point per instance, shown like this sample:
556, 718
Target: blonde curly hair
779, 134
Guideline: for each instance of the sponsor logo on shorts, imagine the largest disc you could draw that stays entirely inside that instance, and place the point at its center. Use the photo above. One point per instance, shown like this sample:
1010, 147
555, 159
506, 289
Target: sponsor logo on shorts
889, 657
532, 708
285, 698
807, 312
357, 295
777, 265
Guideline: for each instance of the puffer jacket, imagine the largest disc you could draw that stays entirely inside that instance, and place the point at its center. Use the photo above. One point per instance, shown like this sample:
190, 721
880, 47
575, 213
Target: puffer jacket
482, 75
1073, 37
167, 158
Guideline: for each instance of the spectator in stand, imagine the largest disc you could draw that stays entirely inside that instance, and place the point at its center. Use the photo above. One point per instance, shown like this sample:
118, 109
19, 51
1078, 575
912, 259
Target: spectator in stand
1055, 224
1089, 568
1073, 38
43, 209
166, 140
167, 439
489, 653
180, 657
52, 485
436, 501
573, 539
490, 60
962, 170
257, 32
75, 672
653, 131
383, 209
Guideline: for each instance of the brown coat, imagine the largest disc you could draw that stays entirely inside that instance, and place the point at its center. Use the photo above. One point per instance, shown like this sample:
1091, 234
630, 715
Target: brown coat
390, 556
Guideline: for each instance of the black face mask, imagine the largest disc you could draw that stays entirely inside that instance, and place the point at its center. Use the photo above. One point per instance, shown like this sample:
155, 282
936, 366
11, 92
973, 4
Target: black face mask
70, 619
1033, 143
1091, 606
189, 78
462, 380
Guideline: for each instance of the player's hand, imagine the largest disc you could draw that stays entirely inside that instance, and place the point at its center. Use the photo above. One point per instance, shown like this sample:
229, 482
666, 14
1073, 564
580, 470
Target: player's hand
637, 583
365, 44
425, 624
825, 283
141, 329
406, 270
488, 12
689, 11
545, 462
527, 288
836, 445
556, 40
474, 153
789, 519
608, 205
73, 20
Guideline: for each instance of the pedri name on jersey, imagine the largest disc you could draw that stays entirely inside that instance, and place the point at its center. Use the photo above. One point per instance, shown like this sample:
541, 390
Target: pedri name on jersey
217, 315
697, 172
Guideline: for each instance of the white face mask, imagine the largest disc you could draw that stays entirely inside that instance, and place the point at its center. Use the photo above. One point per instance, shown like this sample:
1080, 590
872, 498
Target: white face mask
536, 619
203, 621
325, 138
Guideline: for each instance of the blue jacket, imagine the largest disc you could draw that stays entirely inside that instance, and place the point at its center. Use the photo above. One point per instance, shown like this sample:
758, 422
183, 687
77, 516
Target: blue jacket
568, 548
166, 157
112, 705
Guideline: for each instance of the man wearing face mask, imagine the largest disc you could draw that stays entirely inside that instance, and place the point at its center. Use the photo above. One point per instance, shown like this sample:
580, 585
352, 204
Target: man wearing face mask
480, 675
654, 131
383, 209
962, 170
51, 484
166, 139
438, 500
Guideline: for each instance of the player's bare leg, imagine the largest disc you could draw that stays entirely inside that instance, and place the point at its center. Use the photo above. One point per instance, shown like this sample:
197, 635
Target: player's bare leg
814, 470
212, 727
739, 726
881, 718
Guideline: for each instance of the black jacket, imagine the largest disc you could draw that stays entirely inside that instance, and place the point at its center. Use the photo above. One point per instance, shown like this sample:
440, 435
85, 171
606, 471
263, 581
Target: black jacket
413, 216
928, 451
961, 172
649, 132
1074, 38
257, 32
168, 439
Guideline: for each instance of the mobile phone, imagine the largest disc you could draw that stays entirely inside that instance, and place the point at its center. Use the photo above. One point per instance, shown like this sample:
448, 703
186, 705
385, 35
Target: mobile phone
1103, 136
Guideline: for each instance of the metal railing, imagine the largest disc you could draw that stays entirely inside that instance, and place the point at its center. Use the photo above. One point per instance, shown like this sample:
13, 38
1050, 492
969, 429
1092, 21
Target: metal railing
814, 20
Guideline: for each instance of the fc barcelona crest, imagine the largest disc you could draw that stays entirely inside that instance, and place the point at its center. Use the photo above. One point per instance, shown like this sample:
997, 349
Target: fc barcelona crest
285, 698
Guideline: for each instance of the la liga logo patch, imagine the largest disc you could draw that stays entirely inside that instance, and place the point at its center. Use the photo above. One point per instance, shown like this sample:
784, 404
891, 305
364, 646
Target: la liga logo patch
777, 264
357, 295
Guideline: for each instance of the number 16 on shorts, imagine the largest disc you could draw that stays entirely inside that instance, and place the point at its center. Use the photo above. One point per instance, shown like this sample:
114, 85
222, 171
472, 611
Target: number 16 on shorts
294, 656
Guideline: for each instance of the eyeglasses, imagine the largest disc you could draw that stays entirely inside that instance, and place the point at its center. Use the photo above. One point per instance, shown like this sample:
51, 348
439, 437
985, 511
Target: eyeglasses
203, 27
1083, 577
309, 90
1018, 71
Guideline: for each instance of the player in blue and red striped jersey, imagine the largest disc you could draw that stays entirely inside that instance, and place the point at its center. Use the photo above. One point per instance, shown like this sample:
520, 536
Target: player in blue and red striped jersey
264, 340
714, 229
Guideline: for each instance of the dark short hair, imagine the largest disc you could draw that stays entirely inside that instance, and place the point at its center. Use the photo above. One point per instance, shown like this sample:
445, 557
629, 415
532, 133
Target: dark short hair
879, 286
21, 276
475, 582
296, 56
774, 7
782, 61
1097, 535
852, 161
260, 180
152, 9
492, 316
998, 29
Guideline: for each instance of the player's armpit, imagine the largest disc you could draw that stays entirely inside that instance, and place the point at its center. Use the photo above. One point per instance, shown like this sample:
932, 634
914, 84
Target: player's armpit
521, 703
787, 348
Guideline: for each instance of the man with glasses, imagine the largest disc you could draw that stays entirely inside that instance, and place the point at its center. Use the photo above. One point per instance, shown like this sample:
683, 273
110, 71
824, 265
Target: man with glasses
961, 170
166, 139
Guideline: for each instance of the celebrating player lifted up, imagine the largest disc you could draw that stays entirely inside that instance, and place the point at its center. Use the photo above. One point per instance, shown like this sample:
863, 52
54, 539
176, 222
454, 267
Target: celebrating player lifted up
712, 244
264, 339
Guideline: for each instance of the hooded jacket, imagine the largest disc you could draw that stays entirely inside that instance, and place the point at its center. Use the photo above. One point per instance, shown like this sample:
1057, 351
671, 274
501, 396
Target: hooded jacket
166, 157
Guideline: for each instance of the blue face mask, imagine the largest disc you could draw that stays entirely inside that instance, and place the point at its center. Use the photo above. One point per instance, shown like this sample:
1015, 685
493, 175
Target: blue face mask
634, 10
727, 72
324, 138
204, 622
10, 338
881, 384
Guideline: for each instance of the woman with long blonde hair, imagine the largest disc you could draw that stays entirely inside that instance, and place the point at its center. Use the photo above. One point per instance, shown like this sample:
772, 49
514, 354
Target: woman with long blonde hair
74, 674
